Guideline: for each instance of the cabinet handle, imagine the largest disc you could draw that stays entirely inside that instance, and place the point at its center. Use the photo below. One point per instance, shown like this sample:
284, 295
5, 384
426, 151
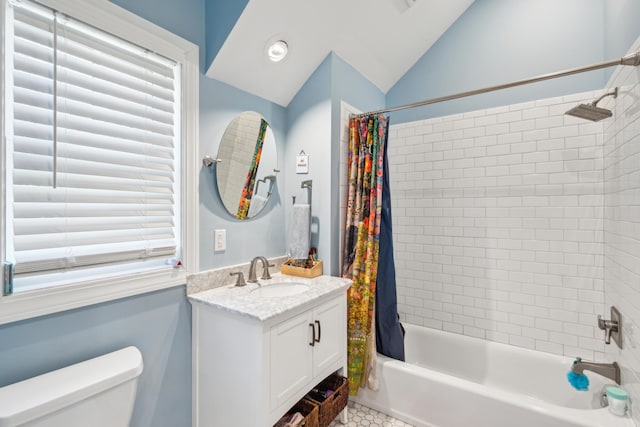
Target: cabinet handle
313, 331
319, 331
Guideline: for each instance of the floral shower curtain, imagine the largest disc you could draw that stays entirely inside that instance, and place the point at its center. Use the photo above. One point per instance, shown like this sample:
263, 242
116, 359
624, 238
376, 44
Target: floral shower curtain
367, 138
247, 190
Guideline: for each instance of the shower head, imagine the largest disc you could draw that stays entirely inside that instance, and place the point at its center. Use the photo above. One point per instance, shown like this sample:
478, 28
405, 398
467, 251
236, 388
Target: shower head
591, 111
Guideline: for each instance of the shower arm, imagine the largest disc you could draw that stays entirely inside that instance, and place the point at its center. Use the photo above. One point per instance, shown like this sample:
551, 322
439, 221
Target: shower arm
613, 93
632, 59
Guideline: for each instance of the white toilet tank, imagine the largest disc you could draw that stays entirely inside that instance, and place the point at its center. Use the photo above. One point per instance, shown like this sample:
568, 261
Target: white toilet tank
95, 393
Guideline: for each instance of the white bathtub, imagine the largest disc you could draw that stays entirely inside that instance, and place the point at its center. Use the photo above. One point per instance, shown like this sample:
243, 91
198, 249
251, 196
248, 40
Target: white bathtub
451, 380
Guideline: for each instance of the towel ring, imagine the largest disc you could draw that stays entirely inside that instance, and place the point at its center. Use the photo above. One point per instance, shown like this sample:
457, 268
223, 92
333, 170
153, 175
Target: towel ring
308, 184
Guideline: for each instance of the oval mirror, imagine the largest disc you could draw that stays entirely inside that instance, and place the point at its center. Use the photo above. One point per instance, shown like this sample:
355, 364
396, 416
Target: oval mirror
246, 173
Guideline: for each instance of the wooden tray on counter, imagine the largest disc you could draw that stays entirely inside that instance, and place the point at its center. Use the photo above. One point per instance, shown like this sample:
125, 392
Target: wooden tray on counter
292, 270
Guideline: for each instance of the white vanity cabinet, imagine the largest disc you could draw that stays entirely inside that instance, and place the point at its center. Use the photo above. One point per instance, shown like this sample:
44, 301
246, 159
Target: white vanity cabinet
248, 371
305, 348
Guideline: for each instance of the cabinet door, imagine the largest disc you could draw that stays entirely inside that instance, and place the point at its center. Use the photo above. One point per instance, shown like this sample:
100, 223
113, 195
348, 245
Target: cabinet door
290, 358
330, 323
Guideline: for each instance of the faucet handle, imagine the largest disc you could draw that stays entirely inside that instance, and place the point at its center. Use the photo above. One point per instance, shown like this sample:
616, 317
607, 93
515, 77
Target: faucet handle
265, 272
240, 281
602, 323
609, 326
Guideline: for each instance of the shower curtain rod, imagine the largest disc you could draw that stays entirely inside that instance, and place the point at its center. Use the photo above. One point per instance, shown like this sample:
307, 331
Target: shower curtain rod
631, 59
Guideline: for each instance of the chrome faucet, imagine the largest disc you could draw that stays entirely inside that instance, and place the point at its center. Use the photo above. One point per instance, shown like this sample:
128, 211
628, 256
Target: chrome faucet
265, 272
609, 370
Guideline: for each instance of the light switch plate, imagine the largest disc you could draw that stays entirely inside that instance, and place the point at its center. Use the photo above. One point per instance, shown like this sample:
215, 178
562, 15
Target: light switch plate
220, 240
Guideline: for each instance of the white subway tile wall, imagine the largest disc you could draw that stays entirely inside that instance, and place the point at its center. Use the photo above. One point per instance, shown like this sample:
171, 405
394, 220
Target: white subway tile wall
622, 223
498, 227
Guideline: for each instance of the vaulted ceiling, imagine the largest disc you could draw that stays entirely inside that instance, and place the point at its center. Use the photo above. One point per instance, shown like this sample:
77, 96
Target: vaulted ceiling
381, 39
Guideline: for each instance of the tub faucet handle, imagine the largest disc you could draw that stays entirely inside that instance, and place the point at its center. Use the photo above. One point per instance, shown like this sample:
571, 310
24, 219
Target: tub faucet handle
608, 326
612, 328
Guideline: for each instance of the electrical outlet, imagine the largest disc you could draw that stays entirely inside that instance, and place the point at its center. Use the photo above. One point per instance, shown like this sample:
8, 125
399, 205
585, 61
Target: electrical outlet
220, 240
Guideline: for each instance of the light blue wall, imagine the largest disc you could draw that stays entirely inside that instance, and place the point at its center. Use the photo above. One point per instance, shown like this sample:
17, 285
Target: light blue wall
263, 234
313, 119
621, 26
184, 18
219, 104
159, 324
350, 86
499, 41
309, 130
221, 16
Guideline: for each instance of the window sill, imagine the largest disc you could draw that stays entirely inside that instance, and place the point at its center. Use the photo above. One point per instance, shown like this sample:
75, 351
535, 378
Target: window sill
26, 305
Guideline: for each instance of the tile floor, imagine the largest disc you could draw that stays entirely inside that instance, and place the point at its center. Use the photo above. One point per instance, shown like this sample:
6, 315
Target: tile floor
361, 416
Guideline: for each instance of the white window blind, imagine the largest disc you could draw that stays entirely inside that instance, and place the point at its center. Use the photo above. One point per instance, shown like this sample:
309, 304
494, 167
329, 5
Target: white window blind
91, 136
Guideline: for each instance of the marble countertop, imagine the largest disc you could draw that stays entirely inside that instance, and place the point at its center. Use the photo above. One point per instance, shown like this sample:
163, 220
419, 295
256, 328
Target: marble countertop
240, 300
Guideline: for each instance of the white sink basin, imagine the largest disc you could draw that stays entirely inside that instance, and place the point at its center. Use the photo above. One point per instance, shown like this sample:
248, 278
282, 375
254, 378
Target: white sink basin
279, 290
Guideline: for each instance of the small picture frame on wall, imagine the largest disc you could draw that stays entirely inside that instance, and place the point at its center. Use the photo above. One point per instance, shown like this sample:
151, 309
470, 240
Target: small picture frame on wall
302, 163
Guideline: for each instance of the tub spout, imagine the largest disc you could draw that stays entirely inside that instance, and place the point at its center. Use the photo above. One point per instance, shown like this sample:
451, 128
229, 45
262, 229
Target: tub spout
609, 370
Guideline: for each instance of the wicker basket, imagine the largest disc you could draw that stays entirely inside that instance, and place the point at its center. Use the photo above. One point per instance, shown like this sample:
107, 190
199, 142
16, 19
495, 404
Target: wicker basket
309, 409
334, 404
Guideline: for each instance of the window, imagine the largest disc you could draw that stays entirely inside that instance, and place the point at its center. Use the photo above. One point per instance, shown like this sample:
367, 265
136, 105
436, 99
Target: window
99, 119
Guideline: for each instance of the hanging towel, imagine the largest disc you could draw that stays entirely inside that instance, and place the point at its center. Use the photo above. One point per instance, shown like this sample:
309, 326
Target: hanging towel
300, 232
256, 205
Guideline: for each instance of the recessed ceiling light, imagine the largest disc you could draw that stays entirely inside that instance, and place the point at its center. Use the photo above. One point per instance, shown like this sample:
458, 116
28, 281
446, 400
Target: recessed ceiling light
278, 50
